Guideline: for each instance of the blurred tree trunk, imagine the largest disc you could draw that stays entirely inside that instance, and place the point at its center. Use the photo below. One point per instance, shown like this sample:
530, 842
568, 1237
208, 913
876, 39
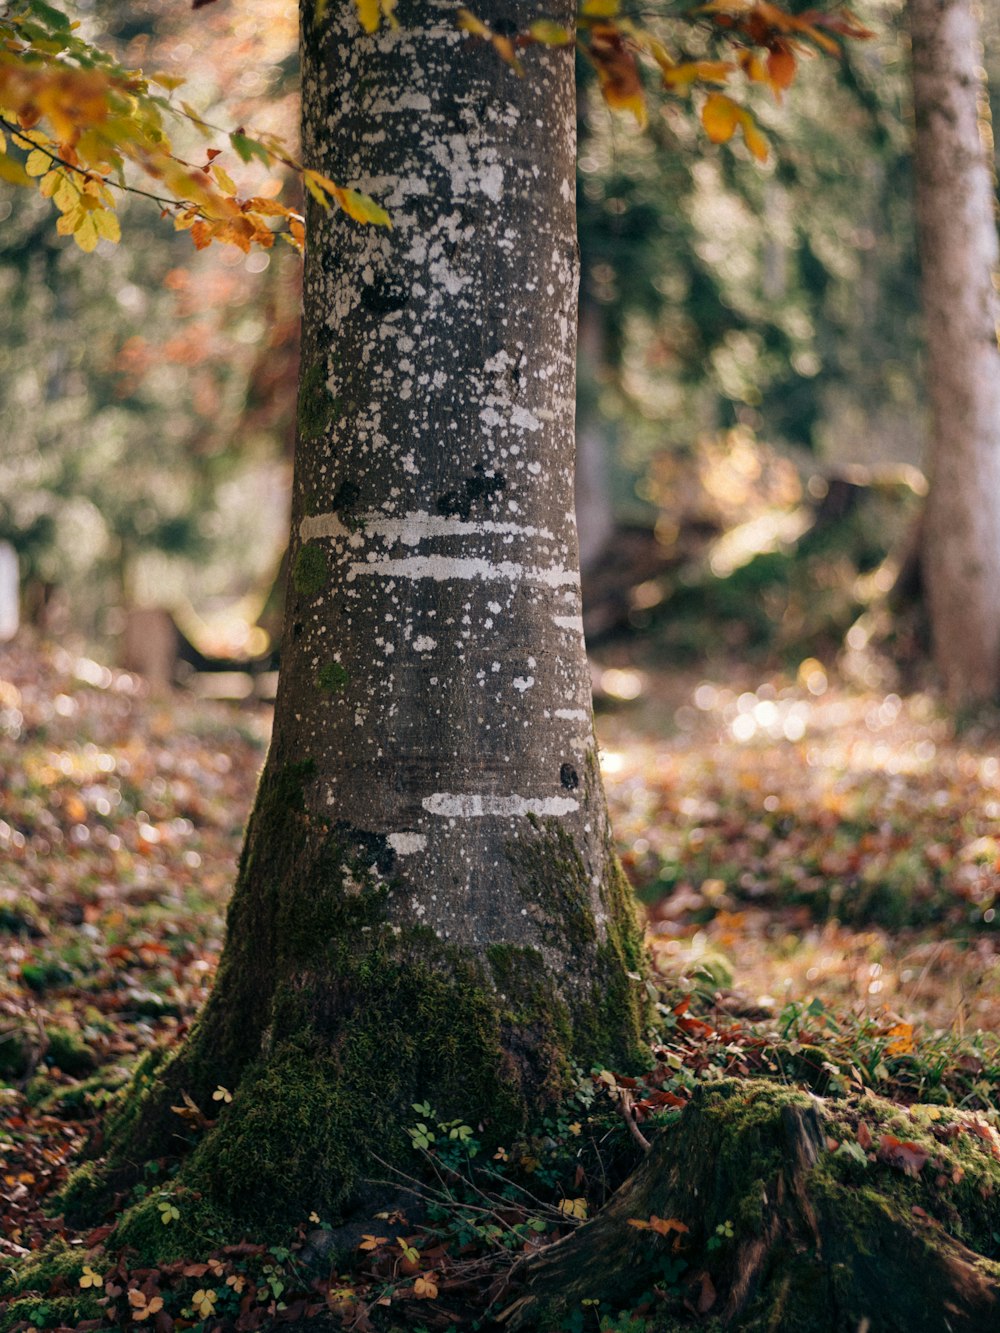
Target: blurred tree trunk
595, 519
956, 217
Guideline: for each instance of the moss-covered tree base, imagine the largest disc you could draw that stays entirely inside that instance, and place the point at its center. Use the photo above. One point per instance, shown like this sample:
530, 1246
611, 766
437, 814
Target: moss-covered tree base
330, 1019
328, 1099
787, 1223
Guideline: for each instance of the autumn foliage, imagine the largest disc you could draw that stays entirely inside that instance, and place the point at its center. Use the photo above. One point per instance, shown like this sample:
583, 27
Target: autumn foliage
80, 127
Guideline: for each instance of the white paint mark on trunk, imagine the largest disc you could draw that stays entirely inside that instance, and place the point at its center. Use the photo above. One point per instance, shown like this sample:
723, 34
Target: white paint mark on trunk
410, 529
442, 567
469, 806
405, 844
573, 624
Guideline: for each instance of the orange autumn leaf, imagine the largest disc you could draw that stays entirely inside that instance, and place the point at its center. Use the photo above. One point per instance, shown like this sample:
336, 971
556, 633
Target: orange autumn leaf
900, 1040
781, 68
908, 1157
720, 116
663, 1226
425, 1286
617, 72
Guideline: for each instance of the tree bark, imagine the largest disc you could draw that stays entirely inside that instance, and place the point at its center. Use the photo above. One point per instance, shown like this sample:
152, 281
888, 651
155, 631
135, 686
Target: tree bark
428, 907
956, 217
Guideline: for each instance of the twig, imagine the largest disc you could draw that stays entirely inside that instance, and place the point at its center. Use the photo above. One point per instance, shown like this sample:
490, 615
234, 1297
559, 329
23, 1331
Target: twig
626, 1107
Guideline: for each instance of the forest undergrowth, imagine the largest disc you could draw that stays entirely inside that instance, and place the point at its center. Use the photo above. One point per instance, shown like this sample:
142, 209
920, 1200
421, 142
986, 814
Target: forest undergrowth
820, 869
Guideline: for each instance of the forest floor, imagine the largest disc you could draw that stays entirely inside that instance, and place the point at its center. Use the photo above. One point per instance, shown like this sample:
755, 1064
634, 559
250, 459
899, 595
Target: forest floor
819, 863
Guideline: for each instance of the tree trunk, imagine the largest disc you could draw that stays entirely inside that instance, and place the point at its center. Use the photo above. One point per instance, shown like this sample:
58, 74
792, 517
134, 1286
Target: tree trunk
767, 1222
428, 907
956, 216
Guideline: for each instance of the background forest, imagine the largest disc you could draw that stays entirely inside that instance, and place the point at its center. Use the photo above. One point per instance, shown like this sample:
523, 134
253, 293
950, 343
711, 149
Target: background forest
810, 828
746, 332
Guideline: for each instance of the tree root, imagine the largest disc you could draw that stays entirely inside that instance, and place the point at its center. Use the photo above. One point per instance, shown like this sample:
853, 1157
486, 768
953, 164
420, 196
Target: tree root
772, 1231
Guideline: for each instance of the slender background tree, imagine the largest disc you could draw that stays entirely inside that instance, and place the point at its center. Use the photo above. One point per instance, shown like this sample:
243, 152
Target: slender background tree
960, 260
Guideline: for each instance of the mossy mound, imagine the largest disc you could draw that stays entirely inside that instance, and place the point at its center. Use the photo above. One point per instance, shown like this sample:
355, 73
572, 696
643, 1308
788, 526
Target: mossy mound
44, 1291
764, 1208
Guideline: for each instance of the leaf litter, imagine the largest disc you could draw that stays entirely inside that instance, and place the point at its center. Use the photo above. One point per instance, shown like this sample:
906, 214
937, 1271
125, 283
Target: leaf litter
819, 870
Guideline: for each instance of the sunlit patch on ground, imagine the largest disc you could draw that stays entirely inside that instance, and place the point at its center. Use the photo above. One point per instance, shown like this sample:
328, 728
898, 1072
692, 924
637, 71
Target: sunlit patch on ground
808, 839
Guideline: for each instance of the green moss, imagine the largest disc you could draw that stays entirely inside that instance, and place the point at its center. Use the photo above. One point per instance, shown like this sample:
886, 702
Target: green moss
331, 678
401, 1022
201, 1228
608, 1023
15, 1055
328, 1022
316, 408
372, 1021
67, 1051
625, 933
550, 875
57, 1263
311, 570
49, 1312
42, 1291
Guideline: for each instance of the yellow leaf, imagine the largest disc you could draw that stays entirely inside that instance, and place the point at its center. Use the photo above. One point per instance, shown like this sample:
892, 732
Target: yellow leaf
108, 227
599, 9
168, 81
426, 1286
268, 207
66, 195
362, 209
468, 22
753, 138
368, 14
900, 1040
12, 171
38, 162
371, 1242
697, 71
204, 1302
753, 66
86, 235
573, 1208
223, 179
618, 72
312, 180
549, 33
720, 115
